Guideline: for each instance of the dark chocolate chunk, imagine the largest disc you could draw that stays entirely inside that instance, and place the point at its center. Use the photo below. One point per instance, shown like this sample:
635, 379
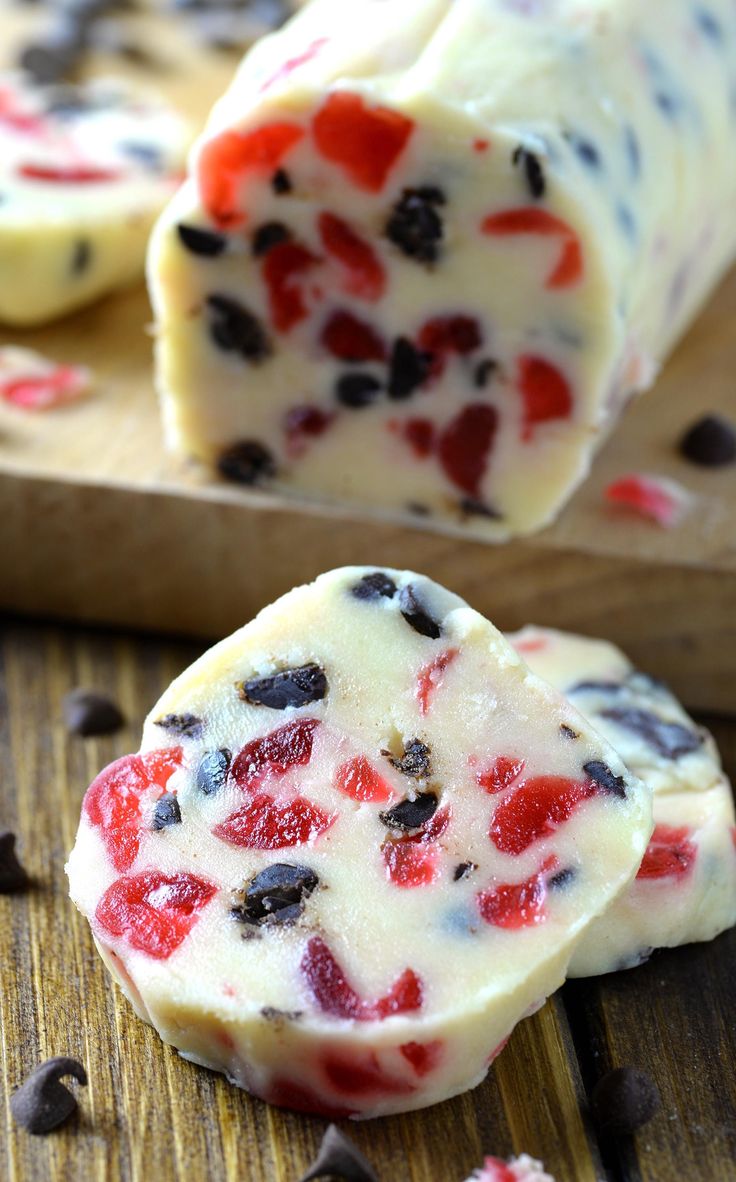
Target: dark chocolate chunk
602, 775
272, 1014
236, 330
246, 462
624, 1100
484, 371
561, 879
584, 150
415, 226
43, 1102
167, 812
376, 585
533, 171
57, 56
596, 687
290, 687
81, 256
186, 725
463, 870
417, 509
208, 243
281, 182
275, 895
87, 712
411, 814
710, 442
212, 771
267, 236
339, 1158
415, 761
12, 875
416, 615
567, 732
668, 739
408, 369
356, 390
472, 508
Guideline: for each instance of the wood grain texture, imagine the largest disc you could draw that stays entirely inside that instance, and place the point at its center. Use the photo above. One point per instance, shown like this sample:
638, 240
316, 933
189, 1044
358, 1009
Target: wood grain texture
147, 1114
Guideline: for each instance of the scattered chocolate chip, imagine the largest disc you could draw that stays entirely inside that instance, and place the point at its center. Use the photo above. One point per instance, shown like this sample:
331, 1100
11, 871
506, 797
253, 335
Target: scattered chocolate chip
415, 614
415, 226
463, 870
267, 236
567, 732
623, 1101
87, 712
710, 442
597, 687
415, 761
81, 256
472, 508
186, 725
247, 462
292, 687
43, 1102
236, 330
281, 182
272, 1014
602, 775
484, 371
12, 875
418, 510
411, 814
561, 879
275, 895
356, 390
167, 812
212, 771
408, 369
339, 1158
55, 58
208, 243
533, 171
376, 585
584, 149
669, 739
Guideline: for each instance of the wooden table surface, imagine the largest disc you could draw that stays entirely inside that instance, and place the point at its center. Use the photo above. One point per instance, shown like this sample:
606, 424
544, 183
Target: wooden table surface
149, 1115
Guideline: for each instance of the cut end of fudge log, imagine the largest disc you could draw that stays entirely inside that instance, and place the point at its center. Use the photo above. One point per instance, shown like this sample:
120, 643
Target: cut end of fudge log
256, 883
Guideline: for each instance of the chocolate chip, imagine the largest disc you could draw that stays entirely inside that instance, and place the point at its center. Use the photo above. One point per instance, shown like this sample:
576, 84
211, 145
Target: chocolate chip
415, 761
202, 242
12, 875
408, 369
292, 687
272, 1014
81, 256
281, 182
602, 775
247, 462
166, 812
411, 814
623, 1101
472, 508
567, 732
87, 712
376, 585
415, 226
42, 1102
267, 236
561, 879
415, 614
275, 895
356, 390
483, 372
584, 149
463, 870
339, 1158
532, 169
212, 771
710, 442
236, 330
55, 58
597, 687
186, 725
668, 739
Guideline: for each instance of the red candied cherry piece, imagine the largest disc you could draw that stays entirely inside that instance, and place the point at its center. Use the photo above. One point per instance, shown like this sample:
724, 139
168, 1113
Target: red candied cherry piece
420, 435
545, 391
302, 423
273, 754
62, 384
464, 446
568, 269
263, 824
501, 774
424, 1057
496, 1170
362, 1076
12, 116
449, 334
153, 912
366, 277
535, 809
534, 644
282, 269
404, 997
334, 994
71, 174
365, 141
650, 497
293, 63
359, 780
410, 865
350, 339
227, 159
430, 679
514, 905
285, 1093
113, 800
670, 853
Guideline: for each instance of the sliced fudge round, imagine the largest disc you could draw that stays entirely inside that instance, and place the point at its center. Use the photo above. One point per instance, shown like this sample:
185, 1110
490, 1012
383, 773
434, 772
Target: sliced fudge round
359, 843
84, 172
685, 889
439, 241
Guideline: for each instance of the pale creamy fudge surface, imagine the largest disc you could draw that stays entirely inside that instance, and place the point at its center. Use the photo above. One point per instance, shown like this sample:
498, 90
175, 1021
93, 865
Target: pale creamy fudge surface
685, 889
428, 251
360, 842
84, 172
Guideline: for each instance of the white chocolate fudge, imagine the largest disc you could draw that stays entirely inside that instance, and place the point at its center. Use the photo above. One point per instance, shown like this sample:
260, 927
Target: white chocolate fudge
429, 250
685, 890
84, 172
359, 844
